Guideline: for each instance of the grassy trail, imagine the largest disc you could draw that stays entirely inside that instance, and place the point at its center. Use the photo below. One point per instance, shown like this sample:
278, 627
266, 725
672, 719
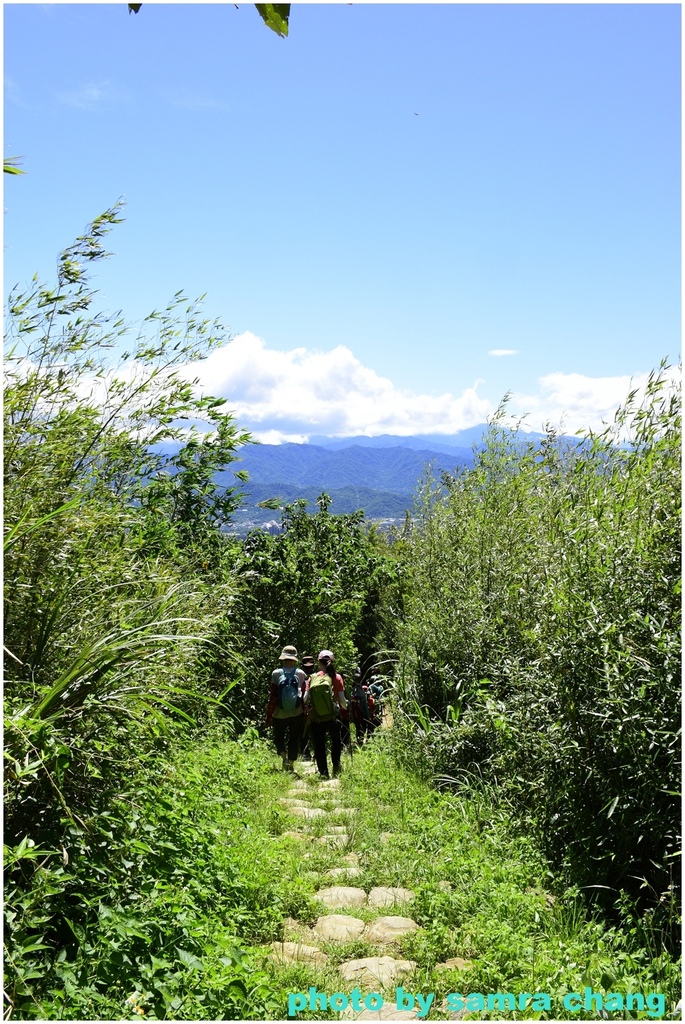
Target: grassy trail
465, 902
218, 885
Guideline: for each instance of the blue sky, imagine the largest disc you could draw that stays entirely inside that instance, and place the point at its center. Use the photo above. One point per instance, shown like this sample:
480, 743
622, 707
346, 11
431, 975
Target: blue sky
376, 204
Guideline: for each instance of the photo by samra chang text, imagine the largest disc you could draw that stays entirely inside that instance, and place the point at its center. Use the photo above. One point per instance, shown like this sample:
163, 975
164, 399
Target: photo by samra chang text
651, 1003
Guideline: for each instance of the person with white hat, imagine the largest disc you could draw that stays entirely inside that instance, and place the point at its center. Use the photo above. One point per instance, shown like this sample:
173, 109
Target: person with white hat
285, 710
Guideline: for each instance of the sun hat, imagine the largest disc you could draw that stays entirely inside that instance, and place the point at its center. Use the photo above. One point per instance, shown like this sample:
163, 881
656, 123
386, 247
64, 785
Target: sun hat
288, 654
308, 659
326, 654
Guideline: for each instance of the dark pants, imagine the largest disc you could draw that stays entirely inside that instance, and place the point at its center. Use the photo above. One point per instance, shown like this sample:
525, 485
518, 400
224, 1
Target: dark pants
293, 726
362, 728
319, 731
345, 731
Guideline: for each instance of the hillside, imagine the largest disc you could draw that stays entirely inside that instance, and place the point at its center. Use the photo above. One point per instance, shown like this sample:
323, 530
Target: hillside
392, 469
379, 480
377, 474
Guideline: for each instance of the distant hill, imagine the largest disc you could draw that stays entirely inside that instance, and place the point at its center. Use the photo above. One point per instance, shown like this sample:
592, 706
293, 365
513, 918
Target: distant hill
432, 442
392, 469
376, 504
376, 474
380, 480
423, 442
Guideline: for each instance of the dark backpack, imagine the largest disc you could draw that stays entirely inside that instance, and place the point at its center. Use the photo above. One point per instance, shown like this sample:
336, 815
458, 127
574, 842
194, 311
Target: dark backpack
359, 708
321, 698
289, 692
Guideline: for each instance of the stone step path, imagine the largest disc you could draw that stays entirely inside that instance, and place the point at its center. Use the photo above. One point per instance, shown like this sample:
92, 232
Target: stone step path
301, 943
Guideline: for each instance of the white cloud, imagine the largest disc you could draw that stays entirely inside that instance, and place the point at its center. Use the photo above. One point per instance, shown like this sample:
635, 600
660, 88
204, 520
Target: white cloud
288, 396
503, 352
291, 395
573, 402
89, 95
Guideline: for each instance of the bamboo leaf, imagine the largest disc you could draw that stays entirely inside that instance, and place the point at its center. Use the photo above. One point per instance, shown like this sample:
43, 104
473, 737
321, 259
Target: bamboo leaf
611, 810
275, 16
9, 165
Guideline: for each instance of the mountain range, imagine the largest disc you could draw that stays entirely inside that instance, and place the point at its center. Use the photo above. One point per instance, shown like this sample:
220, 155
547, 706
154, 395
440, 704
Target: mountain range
377, 474
307, 465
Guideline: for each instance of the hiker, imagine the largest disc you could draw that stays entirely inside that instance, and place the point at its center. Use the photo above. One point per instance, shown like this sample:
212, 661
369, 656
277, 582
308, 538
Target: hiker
324, 697
359, 707
286, 707
308, 667
371, 705
377, 693
344, 717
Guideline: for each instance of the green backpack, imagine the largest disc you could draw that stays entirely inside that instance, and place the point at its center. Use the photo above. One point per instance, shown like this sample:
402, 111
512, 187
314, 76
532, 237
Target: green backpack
321, 699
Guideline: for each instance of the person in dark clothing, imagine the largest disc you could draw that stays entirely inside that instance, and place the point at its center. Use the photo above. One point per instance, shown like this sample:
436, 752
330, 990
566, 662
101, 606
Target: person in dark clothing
377, 693
324, 697
359, 707
308, 667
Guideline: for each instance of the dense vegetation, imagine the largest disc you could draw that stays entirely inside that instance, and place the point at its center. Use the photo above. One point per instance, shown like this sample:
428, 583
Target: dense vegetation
542, 636
527, 616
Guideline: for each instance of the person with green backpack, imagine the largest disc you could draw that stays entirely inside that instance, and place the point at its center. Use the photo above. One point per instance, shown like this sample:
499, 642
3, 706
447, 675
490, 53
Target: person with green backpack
286, 707
324, 697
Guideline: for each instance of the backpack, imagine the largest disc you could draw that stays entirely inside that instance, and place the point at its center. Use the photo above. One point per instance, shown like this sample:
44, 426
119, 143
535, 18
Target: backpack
321, 698
288, 692
359, 709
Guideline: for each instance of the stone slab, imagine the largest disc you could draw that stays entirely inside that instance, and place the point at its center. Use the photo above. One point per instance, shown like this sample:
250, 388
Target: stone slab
390, 929
389, 895
374, 972
338, 928
455, 963
349, 872
341, 896
295, 835
308, 813
336, 841
296, 952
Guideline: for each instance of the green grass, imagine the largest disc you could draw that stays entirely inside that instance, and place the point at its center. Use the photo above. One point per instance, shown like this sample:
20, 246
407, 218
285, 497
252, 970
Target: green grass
201, 879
